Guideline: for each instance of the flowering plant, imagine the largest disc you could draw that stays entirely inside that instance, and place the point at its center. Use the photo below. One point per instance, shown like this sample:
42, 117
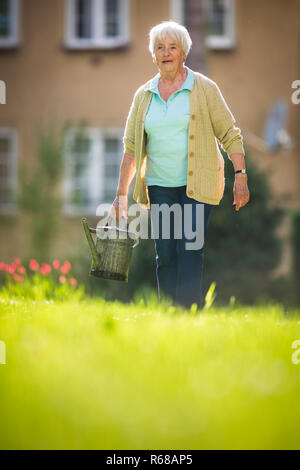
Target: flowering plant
41, 280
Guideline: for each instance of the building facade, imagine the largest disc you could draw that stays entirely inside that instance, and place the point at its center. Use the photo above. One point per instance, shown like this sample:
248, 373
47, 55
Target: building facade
82, 60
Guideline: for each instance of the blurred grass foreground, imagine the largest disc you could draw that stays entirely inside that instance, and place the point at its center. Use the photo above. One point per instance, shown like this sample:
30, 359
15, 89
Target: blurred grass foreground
83, 373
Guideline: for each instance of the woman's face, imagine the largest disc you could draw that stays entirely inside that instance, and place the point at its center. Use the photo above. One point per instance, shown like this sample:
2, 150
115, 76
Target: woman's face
169, 55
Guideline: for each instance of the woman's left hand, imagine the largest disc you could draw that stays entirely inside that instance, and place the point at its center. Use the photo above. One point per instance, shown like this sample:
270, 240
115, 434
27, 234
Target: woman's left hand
241, 193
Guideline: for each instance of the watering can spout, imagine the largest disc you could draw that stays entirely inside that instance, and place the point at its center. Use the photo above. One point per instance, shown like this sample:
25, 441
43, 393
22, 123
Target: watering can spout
91, 243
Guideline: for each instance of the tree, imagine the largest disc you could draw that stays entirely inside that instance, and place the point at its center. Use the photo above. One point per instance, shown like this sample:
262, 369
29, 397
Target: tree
37, 197
195, 20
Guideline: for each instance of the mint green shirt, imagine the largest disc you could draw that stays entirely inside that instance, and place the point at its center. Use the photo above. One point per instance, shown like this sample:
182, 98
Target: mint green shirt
167, 128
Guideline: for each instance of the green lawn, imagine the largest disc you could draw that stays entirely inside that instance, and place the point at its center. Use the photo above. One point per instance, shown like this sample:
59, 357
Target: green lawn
91, 374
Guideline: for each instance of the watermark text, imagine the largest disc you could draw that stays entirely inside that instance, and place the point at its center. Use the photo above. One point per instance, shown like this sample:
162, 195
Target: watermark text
296, 94
2, 352
167, 222
296, 354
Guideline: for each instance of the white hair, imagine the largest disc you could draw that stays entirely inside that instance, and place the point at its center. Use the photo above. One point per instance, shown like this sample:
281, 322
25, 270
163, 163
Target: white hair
176, 30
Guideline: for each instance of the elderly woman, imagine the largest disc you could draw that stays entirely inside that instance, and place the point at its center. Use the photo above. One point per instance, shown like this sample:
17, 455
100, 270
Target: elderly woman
170, 142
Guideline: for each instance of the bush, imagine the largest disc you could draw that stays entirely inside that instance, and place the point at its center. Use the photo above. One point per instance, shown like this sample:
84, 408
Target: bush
40, 281
243, 247
295, 237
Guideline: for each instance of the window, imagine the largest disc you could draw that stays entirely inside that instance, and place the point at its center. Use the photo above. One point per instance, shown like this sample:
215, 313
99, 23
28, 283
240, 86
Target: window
9, 23
8, 170
220, 18
2, 92
97, 23
177, 11
112, 151
92, 165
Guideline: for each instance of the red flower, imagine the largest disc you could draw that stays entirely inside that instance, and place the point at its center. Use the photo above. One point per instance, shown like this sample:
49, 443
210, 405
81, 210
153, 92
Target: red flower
33, 265
73, 281
66, 267
11, 268
62, 279
18, 278
45, 269
17, 261
3, 266
56, 264
21, 269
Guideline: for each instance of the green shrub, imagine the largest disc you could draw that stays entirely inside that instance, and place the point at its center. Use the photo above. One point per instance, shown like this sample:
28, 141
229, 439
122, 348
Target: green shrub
295, 236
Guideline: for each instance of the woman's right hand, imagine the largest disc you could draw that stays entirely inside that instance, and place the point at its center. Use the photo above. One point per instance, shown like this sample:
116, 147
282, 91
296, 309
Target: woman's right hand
119, 207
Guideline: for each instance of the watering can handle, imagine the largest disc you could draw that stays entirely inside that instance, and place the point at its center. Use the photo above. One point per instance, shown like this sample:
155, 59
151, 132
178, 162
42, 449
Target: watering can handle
109, 223
137, 239
90, 241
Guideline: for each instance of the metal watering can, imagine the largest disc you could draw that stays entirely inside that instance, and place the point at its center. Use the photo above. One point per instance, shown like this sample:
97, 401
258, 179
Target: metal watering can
112, 252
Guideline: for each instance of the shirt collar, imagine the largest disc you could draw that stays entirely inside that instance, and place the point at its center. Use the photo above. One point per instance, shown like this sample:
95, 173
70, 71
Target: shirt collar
187, 84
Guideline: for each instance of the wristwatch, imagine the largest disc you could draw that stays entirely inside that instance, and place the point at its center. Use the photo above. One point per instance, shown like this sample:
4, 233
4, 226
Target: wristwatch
240, 171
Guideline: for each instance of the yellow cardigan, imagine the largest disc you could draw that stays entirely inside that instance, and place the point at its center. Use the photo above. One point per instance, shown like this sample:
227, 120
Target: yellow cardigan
210, 121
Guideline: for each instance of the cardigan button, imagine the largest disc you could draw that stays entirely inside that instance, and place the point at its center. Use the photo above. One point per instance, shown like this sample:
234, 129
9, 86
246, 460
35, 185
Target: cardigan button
193, 116
191, 137
191, 192
191, 154
191, 173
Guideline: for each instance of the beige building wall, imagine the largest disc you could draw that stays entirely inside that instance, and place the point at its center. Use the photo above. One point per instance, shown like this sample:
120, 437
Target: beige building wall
46, 82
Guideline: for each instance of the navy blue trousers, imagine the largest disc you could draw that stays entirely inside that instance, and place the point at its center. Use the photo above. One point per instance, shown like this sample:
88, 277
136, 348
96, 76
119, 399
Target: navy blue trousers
178, 269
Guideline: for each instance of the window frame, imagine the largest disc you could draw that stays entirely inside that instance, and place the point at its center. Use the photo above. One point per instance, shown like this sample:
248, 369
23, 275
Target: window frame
11, 208
14, 38
98, 40
114, 133
95, 171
